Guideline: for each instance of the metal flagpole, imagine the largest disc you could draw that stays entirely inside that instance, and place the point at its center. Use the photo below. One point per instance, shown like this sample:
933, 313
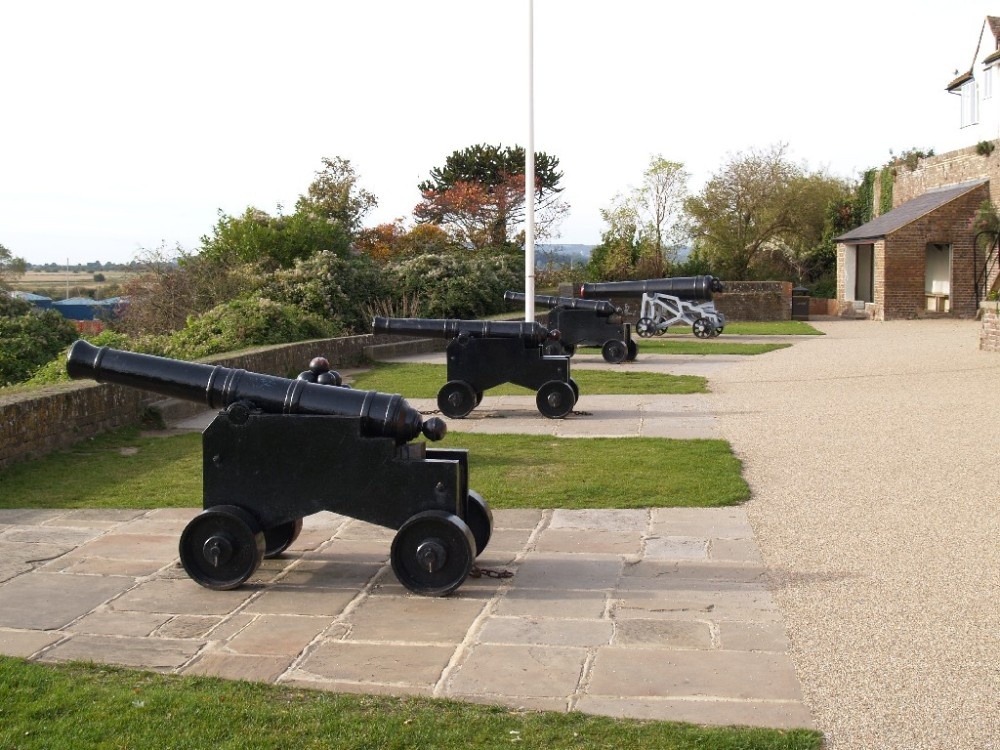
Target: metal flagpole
529, 178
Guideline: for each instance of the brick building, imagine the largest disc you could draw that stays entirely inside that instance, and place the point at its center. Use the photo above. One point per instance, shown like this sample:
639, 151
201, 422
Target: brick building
921, 257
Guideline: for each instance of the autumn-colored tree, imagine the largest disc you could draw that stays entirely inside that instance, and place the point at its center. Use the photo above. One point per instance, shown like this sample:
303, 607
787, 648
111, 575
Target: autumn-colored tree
392, 241
478, 195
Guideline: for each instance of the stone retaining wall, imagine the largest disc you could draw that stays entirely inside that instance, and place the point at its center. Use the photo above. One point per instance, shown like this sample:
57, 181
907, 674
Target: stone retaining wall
39, 421
989, 332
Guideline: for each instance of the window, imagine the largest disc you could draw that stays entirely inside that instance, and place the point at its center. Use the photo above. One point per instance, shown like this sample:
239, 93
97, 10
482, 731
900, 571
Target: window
988, 82
970, 103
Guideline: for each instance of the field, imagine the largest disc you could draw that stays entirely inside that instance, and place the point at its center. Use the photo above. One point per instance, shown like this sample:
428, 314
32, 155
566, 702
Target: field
62, 284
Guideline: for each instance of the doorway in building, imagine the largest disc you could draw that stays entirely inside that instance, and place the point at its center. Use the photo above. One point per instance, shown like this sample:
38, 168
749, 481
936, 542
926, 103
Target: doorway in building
864, 276
937, 277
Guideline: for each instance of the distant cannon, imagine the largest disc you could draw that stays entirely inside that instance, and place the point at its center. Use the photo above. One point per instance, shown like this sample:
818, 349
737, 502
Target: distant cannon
681, 299
283, 449
483, 354
585, 322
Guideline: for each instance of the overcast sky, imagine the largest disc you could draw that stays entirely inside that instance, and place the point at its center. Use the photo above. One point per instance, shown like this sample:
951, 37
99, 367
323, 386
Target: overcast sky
129, 125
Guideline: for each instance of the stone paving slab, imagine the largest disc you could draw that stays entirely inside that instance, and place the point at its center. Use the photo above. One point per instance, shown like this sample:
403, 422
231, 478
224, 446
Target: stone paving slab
624, 625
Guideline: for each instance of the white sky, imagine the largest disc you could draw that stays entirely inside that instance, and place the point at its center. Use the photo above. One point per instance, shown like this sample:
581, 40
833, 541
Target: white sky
127, 125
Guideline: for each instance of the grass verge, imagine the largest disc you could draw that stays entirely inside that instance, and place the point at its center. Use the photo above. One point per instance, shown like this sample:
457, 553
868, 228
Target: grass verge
87, 706
771, 328
129, 469
698, 347
425, 380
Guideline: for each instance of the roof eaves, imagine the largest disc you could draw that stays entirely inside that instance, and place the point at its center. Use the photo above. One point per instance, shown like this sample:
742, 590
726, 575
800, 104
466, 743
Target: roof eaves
967, 76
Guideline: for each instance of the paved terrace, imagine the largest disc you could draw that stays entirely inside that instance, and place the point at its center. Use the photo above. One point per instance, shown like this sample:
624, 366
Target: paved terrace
659, 614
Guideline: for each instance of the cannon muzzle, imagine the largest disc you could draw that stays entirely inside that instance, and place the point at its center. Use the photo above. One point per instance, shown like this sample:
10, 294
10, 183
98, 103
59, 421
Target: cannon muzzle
443, 328
602, 307
682, 287
381, 414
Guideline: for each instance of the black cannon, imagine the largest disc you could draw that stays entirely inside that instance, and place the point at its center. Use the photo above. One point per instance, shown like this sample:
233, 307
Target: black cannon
585, 322
483, 354
689, 288
282, 449
682, 299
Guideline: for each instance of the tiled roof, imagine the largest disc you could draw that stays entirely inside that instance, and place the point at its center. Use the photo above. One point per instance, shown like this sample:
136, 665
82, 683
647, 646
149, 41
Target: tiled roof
994, 23
908, 212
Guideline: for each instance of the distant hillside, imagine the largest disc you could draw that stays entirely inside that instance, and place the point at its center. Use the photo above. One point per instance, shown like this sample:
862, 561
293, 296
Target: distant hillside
557, 254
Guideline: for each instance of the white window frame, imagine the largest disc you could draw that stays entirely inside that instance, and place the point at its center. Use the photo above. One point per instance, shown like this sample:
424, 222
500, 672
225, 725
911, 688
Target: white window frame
988, 81
970, 103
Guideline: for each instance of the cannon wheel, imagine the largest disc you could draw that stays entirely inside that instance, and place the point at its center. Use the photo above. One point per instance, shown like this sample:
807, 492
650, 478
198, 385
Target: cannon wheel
576, 390
555, 399
480, 521
456, 399
660, 327
718, 331
703, 328
614, 352
633, 350
221, 547
279, 538
644, 327
479, 397
432, 553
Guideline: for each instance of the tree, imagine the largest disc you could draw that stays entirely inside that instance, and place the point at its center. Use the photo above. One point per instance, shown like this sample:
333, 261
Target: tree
660, 208
9, 266
326, 219
336, 196
389, 242
645, 226
479, 195
615, 258
756, 204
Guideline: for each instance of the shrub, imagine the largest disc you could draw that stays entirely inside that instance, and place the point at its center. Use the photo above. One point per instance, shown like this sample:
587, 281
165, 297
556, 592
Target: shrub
457, 286
336, 289
246, 322
29, 340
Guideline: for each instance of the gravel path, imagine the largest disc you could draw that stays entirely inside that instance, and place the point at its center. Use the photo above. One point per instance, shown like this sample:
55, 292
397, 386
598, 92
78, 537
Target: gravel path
873, 455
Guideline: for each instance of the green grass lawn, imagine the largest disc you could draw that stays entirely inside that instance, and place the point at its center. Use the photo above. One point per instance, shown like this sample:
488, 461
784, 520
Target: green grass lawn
767, 328
84, 706
424, 381
128, 469
699, 347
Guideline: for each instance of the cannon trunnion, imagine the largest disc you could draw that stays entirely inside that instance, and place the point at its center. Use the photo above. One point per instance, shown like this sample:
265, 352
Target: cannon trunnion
266, 467
483, 354
585, 322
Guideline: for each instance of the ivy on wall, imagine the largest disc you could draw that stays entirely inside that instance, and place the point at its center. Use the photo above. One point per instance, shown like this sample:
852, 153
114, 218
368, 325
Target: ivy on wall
865, 200
887, 179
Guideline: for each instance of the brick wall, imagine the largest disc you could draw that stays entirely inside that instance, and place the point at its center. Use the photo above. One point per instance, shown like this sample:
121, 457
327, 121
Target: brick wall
946, 169
37, 422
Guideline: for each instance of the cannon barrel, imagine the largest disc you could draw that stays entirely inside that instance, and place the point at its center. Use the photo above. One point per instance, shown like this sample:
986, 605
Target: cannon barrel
445, 328
682, 287
602, 307
381, 414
